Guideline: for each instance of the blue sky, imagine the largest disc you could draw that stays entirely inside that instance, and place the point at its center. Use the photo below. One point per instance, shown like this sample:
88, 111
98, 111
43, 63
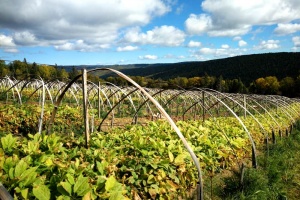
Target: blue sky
77, 32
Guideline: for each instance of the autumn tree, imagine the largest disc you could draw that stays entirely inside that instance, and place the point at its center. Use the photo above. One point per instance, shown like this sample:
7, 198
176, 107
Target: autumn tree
194, 82
46, 72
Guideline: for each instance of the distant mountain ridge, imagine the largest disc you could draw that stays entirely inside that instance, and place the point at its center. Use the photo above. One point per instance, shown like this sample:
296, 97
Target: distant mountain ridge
245, 67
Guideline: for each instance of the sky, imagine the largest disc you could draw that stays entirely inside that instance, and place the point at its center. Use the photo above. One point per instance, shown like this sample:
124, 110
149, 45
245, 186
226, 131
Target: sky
109, 32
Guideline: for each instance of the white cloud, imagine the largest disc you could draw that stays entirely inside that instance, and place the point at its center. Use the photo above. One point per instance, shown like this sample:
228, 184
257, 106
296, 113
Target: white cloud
296, 41
225, 46
171, 56
236, 17
95, 22
242, 43
127, 48
194, 44
269, 44
164, 36
7, 43
206, 50
236, 38
230, 32
11, 50
217, 52
25, 38
80, 45
181, 57
294, 48
148, 57
197, 25
284, 29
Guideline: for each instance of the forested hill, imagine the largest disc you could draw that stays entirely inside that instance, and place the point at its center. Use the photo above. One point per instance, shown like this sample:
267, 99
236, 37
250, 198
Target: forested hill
246, 67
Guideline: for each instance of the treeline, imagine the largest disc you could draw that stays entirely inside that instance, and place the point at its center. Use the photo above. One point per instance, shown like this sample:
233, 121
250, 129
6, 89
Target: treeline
287, 86
23, 70
245, 67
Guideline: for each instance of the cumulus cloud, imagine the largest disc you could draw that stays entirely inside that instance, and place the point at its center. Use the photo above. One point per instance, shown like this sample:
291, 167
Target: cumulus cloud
127, 48
242, 43
192, 44
148, 57
7, 43
235, 17
284, 29
24, 38
198, 24
296, 41
65, 22
163, 36
269, 44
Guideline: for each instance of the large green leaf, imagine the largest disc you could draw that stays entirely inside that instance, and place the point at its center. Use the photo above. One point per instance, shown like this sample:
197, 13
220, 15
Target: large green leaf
67, 187
81, 186
110, 183
8, 142
20, 168
41, 192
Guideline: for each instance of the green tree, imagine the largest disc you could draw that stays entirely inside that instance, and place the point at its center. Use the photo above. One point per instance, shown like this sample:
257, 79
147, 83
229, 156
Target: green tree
47, 72
73, 73
4, 70
19, 69
33, 70
287, 86
272, 85
236, 86
208, 81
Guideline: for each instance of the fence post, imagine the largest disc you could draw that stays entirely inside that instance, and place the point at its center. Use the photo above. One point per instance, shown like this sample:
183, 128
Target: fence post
4, 194
85, 108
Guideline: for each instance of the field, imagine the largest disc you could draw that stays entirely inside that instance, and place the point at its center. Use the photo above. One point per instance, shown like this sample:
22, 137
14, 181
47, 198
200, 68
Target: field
87, 141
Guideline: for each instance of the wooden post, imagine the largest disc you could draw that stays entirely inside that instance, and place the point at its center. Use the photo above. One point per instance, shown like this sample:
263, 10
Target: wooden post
4, 194
254, 160
273, 137
85, 108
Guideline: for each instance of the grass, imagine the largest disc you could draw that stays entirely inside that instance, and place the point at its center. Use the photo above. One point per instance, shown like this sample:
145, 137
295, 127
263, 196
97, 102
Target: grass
277, 177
